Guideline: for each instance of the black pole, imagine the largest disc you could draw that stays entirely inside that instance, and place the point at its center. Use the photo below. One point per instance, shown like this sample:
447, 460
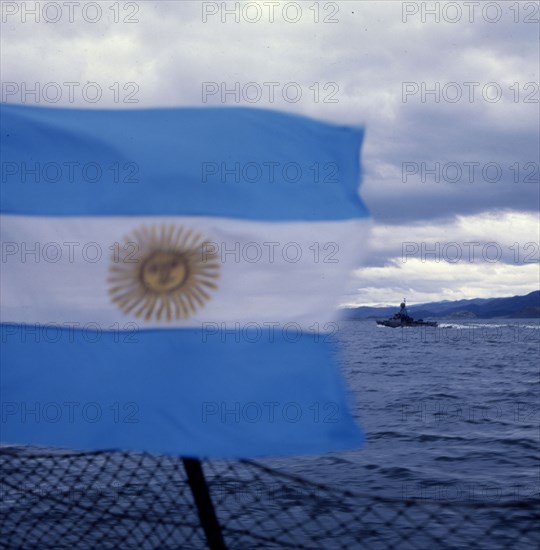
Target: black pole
205, 506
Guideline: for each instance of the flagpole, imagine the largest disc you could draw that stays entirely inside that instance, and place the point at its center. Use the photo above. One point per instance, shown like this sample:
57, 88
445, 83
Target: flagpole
203, 501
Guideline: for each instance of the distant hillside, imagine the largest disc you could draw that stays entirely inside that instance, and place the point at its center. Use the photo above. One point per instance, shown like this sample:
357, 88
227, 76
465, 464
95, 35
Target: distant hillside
481, 308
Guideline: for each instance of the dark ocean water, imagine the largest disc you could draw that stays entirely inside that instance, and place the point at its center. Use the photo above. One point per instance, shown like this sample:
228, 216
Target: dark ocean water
450, 413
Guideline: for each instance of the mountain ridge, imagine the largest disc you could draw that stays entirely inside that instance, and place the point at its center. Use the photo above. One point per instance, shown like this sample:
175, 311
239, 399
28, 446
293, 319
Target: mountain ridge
526, 306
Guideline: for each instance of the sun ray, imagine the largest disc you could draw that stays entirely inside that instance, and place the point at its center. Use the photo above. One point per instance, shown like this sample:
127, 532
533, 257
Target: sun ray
161, 308
208, 284
190, 304
198, 290
129, 294
194, 296
168, 310
177, 241
149, 307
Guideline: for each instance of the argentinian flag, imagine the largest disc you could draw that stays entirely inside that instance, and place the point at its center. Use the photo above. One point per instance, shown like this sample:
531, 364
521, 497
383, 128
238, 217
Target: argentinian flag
170, 279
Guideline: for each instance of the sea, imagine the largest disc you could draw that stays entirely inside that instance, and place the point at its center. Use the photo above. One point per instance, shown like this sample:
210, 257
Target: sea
451, 416
449, 412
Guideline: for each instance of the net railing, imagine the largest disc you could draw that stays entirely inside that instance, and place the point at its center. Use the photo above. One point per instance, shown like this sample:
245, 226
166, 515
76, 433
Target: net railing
59, 499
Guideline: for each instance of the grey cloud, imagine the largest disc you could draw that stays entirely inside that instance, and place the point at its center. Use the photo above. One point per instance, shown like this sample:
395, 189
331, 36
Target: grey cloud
369, 54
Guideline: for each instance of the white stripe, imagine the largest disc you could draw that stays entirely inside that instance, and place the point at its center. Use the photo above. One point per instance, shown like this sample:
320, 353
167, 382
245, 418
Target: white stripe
39, 288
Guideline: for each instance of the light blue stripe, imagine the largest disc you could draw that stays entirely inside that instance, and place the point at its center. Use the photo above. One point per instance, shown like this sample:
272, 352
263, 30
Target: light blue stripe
174, 392
170, 149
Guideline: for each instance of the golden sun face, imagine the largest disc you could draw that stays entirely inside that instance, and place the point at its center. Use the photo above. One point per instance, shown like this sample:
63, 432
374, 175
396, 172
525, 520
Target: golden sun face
162, 273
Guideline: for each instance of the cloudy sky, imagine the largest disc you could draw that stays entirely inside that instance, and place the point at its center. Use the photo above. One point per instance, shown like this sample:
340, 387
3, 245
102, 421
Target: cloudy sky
448, 93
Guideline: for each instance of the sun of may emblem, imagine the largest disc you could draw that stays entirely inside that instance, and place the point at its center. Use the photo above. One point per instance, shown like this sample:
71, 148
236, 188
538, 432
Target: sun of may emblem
162, 273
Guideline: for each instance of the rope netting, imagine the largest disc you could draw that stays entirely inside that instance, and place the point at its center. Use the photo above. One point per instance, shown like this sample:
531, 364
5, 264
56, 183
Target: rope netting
140, 501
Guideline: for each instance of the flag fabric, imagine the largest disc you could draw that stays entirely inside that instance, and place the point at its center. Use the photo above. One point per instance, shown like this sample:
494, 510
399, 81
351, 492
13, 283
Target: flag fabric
170, 279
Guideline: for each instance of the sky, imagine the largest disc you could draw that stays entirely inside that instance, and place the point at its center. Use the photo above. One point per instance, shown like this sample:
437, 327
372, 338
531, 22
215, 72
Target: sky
448, 93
